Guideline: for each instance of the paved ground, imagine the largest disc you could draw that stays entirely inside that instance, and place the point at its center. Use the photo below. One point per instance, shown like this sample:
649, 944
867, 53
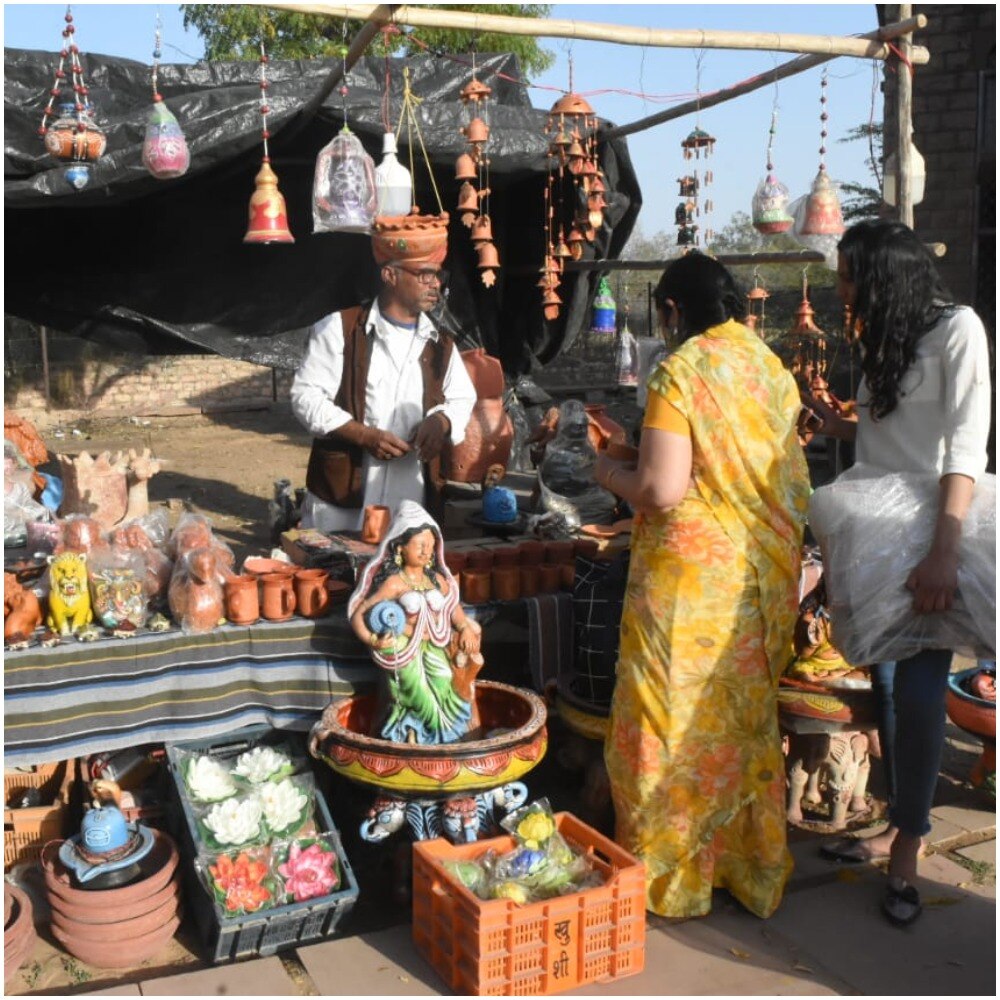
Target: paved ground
827, 938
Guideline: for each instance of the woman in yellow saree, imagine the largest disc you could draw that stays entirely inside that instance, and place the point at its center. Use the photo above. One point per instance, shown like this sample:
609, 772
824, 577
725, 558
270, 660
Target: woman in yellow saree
720, 493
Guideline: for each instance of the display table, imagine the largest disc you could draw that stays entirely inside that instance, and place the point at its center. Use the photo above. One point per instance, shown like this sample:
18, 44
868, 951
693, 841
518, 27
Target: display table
80, 698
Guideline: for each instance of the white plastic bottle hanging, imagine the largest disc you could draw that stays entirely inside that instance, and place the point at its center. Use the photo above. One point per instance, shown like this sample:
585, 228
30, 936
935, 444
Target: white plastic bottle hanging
393, 184
344, 193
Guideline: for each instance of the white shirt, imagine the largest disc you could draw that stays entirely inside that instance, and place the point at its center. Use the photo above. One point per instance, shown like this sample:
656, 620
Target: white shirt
394, 396
941, 422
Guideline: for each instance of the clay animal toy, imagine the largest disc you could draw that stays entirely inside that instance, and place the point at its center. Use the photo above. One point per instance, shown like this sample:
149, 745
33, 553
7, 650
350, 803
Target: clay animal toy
69, 595
22, 613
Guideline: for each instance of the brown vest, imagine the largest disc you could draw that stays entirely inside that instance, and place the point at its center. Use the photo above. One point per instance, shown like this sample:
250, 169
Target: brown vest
334, 473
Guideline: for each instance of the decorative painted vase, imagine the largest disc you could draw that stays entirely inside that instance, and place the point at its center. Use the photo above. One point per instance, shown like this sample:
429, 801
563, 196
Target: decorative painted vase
242, 599
164, 149
312, 599
278, 602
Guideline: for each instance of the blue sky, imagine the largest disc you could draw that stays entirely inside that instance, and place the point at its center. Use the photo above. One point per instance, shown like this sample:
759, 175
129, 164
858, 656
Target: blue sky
665, 76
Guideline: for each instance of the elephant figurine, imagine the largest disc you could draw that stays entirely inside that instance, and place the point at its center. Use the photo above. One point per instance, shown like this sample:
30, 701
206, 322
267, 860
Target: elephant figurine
840, 762
386, 816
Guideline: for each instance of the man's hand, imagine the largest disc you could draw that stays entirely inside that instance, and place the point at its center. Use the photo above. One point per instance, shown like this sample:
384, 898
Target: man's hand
385, 446
429, 439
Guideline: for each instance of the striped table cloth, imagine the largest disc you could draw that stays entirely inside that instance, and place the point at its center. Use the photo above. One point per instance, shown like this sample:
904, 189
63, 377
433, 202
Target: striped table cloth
81, 698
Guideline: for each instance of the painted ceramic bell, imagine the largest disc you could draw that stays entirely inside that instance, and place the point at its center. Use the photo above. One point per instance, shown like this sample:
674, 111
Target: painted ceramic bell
268, 215
164, 149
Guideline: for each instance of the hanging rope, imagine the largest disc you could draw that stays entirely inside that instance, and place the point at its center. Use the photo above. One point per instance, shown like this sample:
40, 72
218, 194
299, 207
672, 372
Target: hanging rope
408, 114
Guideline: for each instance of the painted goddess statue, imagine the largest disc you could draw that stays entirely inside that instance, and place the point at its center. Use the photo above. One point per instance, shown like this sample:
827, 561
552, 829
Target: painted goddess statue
406, 608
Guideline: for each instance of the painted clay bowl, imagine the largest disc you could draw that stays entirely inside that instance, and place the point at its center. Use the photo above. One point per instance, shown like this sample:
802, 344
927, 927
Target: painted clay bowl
101, 916
19, 935
341, 739
115, 954
816, 708
976, 716
124, 929
259, 566
584, 716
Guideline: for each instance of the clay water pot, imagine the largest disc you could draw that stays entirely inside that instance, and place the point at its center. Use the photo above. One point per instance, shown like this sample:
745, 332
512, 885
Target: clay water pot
312, 599
549, 575
506, 555
375, 524
479, 559
506, 583
529, 581
475, 586
455, 561
532, 552
559, 551
242, 599
278, 601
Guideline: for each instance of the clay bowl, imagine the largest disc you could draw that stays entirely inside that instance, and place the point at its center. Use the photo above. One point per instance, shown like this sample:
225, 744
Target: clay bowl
975, 715
122, 930
156, 870
19, 929
114, 954
259, 566
102, 916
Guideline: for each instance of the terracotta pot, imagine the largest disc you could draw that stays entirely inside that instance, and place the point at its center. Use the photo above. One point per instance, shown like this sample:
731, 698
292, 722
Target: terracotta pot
601, 428
475, 586
259, 566
529, 581
567, 575
90, 912
19, 937
455, 561
586, 547
122, 930
278, 601
559, 551
375, 524
549, 575
532, 552
479, 559
116, 954
489, 437
506, 555
312, 599
621, 452
506, 583
242, 599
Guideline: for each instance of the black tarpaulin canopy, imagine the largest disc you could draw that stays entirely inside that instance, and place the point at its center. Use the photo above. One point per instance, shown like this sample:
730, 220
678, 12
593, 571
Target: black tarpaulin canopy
138, 263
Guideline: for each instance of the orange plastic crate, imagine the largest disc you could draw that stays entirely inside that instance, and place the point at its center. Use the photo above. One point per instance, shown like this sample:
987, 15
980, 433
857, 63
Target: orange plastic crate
497, 948
26, 831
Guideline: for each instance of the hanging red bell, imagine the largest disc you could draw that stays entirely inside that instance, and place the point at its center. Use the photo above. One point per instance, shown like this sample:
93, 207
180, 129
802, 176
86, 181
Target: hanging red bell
476, 131
465, 168
822, 216
575, 243
482, 229
468, 204
268, 215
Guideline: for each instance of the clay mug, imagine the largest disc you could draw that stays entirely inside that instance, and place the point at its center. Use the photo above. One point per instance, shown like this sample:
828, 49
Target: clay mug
479, 559
506, 583
455, 561
475, 586
506, 555
531, 552
278, 602
375, 523
567, 575
549, 577
559, 551
529, 581
242, 599
312, 599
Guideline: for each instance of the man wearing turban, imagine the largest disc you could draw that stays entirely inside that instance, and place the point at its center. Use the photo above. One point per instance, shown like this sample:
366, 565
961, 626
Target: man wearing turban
381, 388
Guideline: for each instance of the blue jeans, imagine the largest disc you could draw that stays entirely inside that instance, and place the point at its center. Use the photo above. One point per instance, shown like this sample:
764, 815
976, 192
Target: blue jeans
910, 697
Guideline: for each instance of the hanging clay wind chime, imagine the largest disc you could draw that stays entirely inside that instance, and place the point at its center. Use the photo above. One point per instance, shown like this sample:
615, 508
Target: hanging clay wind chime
474, 165
769, 211
73, 137
695, 144
268, 215
756, 298
164, 149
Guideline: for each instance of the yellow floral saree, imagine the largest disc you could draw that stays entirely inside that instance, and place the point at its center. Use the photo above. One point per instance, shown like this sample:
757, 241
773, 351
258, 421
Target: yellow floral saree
693, 749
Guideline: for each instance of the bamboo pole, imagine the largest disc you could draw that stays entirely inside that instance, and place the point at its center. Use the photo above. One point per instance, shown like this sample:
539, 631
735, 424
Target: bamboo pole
904, 127
418, 17
800, 65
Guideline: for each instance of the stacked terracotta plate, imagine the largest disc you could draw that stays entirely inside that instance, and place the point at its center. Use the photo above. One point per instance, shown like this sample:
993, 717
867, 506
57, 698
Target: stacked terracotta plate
18, 929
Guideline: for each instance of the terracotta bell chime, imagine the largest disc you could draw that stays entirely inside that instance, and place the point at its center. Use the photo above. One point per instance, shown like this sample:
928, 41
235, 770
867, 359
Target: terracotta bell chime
472, 168
74, 137
695, 145
268, 215
756, 298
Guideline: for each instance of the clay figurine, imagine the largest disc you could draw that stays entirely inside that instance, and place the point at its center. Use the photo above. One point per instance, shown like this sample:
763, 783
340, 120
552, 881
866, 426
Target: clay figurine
69, 595
196, 596
22, 613
110, 488
406, 608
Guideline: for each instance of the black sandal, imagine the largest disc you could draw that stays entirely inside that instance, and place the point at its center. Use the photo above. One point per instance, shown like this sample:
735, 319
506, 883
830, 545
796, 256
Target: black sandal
853, 850
901, 901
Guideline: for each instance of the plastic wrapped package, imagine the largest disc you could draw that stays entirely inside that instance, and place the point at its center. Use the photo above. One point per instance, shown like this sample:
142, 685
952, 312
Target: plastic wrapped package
118, 588
138, 536
81, 534
195, 594
873, 530
344, 191
18, 510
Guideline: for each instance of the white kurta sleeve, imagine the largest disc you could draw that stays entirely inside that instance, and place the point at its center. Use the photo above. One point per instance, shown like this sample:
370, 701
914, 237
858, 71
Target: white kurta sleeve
317, 379
459, 397
967, 399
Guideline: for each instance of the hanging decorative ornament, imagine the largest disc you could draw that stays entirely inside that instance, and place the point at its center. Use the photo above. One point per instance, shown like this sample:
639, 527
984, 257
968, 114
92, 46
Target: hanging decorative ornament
268, 215
756, 298
819, 221
393, 184
164, 150
695, 145
769, 210
473, 200
73, 137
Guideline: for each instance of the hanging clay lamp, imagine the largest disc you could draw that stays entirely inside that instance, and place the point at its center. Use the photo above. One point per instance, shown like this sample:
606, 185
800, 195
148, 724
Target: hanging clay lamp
756, 298
268, 215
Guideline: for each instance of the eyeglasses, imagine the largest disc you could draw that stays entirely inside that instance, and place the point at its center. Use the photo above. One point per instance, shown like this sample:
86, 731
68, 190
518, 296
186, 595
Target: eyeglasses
426, 275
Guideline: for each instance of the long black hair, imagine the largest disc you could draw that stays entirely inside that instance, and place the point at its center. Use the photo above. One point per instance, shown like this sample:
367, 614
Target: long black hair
389, 566
704, 292
898, 297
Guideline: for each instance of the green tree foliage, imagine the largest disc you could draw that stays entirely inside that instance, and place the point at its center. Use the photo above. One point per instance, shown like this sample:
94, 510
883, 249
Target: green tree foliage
233, 31
864, 201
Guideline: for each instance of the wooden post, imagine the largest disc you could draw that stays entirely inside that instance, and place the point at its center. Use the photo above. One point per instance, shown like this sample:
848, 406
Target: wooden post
43, 336
904, 125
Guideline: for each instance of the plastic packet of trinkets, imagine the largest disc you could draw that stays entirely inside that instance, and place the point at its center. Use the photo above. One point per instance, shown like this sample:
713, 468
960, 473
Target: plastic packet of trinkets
241, 881
873, 530
307, 867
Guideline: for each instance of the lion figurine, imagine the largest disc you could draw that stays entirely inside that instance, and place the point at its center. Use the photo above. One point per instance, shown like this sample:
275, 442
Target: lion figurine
69, 595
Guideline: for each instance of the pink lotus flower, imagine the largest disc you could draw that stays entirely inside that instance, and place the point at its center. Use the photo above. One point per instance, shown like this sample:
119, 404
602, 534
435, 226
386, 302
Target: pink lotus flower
310, 872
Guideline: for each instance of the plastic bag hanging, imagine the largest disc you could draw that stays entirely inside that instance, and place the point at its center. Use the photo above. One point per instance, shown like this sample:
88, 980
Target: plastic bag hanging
344, 191
164, 149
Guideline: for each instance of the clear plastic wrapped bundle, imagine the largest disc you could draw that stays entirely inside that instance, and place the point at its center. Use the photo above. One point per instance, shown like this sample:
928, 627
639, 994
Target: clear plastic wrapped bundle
344, 192
873, 530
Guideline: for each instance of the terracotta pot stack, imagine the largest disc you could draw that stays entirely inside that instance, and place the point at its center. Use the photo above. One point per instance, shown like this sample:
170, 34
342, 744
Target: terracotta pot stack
18, 929
119, 927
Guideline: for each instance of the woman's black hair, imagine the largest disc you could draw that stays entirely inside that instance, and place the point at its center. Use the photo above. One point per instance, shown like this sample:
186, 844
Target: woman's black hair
704, 292
389, 566
898, 297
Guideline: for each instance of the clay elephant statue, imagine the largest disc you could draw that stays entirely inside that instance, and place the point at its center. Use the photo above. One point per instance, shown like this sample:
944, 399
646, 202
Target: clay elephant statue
838, 763
386, 817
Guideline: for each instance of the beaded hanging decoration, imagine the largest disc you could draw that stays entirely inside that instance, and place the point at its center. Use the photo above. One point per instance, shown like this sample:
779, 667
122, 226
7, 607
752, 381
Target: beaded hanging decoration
692, 186
164, 150
73, 137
